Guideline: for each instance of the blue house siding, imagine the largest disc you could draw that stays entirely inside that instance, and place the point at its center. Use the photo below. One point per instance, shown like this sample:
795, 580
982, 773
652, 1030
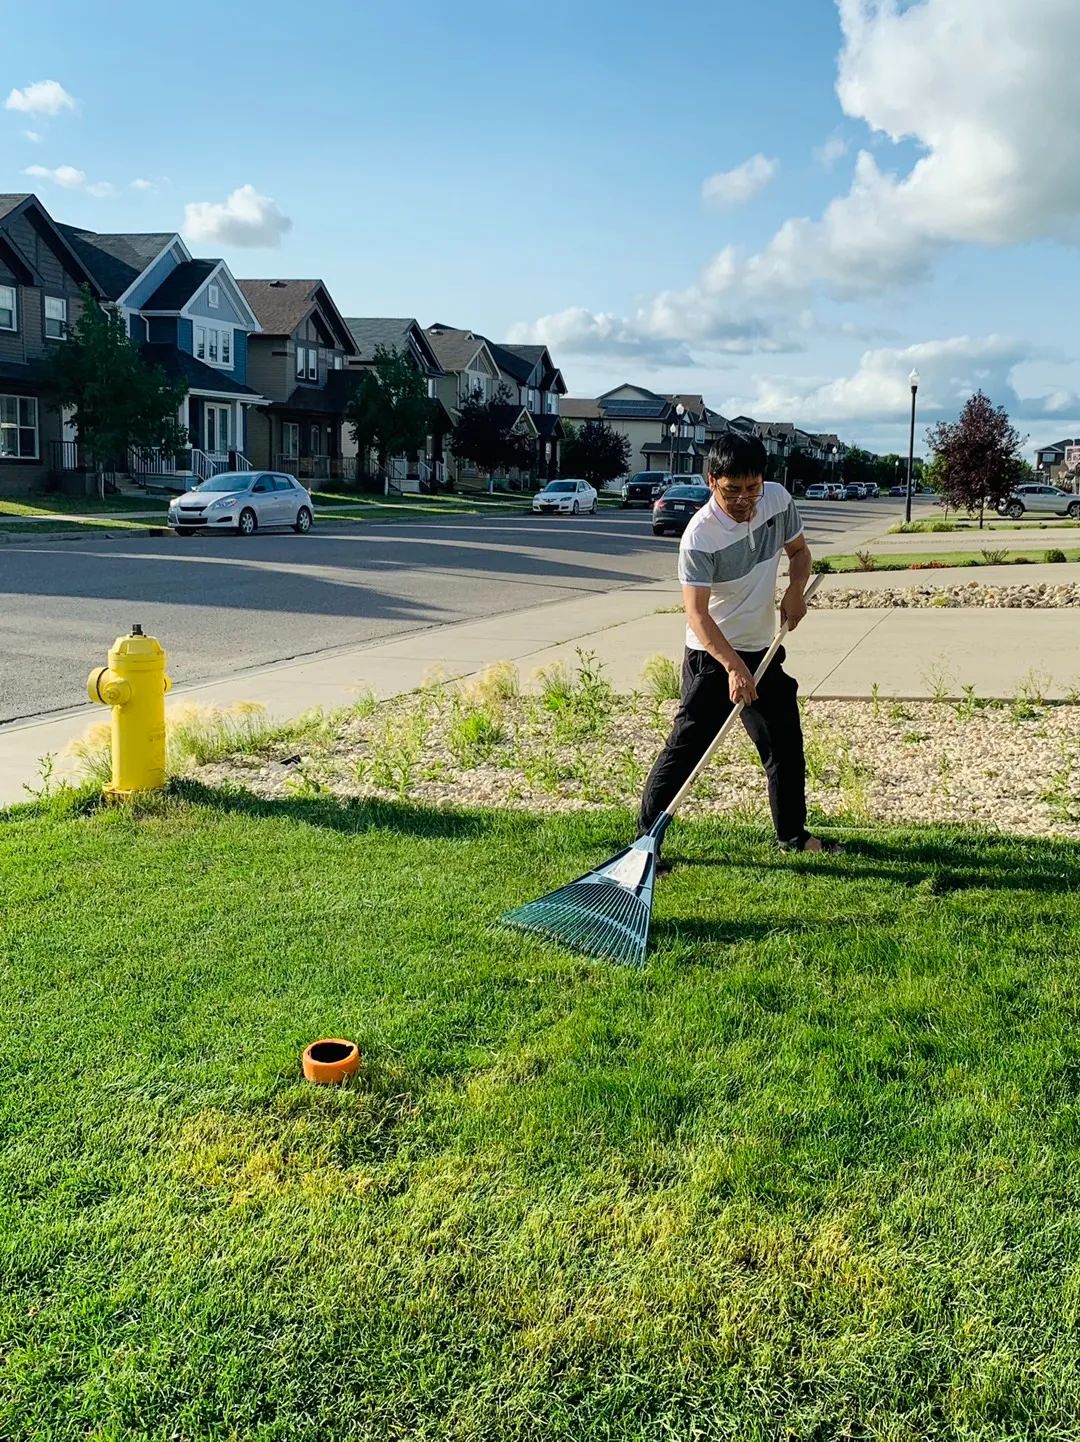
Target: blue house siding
184, 337
226, 312
240, 348
154, 277
137, 329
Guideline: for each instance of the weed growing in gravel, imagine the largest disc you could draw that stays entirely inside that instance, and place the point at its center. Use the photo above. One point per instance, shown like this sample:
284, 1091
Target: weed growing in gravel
396, 748
364, 706
495, 688
473, 735
1060, 795
970, 705
580, 701
307, 782
899, 713
939, 681
661, 677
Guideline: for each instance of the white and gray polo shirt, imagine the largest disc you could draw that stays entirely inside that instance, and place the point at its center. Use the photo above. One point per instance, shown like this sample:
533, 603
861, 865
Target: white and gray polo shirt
739, 561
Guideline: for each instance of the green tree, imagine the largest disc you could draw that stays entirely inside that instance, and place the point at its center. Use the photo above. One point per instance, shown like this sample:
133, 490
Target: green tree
486, 437
390, 411
977, 458
116, 398
595, 452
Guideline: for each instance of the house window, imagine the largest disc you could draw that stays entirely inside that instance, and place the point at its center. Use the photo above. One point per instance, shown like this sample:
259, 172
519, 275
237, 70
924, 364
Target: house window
226, 347
8, 308
55, 318
18, 428
200, 342
312, 364
432, 388
212, 346
338, 362
290, 439
552, 403
316, 441
212, 296
301, 362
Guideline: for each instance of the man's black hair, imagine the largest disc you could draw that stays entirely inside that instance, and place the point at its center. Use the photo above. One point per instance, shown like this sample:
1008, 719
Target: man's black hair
740, 457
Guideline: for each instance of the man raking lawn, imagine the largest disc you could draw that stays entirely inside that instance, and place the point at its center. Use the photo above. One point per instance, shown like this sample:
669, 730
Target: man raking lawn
729, 559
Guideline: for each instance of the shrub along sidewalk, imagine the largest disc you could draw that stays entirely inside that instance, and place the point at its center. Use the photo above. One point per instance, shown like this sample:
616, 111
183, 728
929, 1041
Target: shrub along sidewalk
811, 1175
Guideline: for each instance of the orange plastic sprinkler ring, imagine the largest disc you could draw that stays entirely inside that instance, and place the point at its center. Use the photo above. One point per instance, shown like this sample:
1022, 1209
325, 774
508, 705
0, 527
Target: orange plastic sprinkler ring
329, 1062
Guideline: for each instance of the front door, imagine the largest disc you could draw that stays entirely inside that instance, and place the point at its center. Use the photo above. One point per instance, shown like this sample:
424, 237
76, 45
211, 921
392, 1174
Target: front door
217, 430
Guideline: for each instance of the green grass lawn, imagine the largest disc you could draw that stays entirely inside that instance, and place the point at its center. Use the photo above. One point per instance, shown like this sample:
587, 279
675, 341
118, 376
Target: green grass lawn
811, 1175
889, 561
49, 506
62, 527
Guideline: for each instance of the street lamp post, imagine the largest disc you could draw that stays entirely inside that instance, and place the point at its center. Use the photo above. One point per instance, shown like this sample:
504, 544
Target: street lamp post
913, 382
671, 449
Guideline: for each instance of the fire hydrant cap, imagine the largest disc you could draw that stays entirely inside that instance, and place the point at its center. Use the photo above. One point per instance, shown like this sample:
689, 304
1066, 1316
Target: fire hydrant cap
140, 646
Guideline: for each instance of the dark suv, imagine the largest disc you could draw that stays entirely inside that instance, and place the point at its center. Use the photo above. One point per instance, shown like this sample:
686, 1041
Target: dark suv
643, 487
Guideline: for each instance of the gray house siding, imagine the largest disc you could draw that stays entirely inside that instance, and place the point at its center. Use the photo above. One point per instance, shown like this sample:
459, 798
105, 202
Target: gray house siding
271, 363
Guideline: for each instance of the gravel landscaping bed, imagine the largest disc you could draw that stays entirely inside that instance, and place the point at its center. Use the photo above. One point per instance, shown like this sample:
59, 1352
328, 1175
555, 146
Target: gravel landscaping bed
1045, 595
1011, 766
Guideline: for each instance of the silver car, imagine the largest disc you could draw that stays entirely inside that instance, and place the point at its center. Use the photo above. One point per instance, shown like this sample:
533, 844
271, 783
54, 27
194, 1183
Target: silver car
1040, 500
243, 501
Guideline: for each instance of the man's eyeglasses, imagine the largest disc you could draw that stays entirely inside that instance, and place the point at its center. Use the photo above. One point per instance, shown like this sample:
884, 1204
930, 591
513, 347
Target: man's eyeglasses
732, 493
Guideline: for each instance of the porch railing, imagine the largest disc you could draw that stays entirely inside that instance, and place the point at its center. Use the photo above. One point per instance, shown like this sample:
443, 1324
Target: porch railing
152, 461
317, 468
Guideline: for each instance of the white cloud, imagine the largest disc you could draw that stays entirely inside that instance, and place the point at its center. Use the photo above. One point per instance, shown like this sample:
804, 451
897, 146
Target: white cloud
995, 140
729, 188
101, 188
44, 97
65, 175
877, 393
33, 136
246, 218
141, 184
832, 150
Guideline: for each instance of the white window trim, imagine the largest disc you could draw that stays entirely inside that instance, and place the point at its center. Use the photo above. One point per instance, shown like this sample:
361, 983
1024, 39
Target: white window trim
290, 430
219, 332
6, 425
14, 291
313, 363
301, 362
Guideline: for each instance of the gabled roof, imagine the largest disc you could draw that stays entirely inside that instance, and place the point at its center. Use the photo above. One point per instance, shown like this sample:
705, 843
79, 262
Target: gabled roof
283, 305
117, 260
575, 408
512, 414
696, 404
508, 360
392, 333
177, 288
178, 365
1058, 446
454, 349
12, 206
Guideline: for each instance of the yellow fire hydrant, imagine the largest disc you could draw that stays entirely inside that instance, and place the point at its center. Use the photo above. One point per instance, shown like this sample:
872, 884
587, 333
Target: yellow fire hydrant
134, 684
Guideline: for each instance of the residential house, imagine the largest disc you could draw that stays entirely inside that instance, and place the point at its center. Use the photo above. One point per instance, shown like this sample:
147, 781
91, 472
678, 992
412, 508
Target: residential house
468, 368
298, 361
190, 318
535, 382
405, 335
646, 418
40, 280
1059, 464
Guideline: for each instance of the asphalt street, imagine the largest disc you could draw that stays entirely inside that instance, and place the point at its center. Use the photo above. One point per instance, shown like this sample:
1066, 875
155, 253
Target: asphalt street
222, 604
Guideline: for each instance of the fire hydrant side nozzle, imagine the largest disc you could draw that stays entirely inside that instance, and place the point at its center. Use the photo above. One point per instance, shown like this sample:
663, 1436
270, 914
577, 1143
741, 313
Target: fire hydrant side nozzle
134, 685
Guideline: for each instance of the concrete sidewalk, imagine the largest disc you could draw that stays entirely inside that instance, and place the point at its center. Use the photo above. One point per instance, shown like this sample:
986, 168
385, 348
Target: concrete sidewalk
842, 653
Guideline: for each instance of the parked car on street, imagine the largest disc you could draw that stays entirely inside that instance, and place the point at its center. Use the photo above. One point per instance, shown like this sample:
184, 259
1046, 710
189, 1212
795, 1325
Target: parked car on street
853, 491
897, 490
819, 491
1040, 500
643, 487
243, 501
565, 498
674, 510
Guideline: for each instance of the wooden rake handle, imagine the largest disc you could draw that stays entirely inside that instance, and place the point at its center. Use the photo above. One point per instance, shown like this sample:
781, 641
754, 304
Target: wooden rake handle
718, 740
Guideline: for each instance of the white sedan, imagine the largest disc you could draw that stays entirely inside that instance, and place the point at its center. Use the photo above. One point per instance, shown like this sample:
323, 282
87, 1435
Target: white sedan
243, 501
566, 498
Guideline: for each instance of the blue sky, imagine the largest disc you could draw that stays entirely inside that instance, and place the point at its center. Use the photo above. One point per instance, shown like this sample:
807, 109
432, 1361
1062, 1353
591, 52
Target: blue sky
538, 173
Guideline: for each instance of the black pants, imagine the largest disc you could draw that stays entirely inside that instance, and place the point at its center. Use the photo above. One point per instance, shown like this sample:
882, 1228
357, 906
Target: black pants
771, 722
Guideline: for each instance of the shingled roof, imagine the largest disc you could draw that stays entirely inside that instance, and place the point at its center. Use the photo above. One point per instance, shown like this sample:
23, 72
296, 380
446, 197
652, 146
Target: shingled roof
116, 261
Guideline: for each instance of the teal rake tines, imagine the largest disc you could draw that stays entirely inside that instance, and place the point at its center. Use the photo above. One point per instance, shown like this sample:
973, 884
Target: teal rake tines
606, 913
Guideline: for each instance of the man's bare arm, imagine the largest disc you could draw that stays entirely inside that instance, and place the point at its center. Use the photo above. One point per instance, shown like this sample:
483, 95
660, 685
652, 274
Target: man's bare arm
793, 607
